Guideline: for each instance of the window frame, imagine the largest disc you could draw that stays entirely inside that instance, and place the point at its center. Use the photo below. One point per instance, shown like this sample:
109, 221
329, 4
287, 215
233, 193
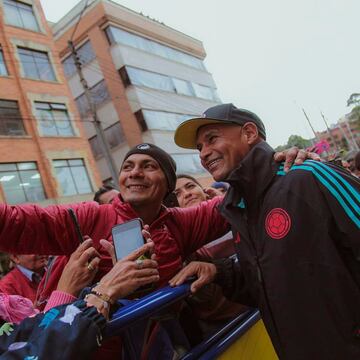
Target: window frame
3, 63
24, 51
20, 175
17, 118
53, 106
20, 8
73, 177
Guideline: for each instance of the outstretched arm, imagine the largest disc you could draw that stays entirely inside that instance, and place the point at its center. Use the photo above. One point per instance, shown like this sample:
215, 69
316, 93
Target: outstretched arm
31, 229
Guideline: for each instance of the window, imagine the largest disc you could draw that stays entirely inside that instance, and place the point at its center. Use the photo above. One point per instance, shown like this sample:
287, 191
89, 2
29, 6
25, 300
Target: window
3, 70
20, 14
72, 177
160, 120
150, 79
114, 136
36, 64
116, 36
188, 163
53, 119
86, 54
203, 92
139, 77
183, 87
99, 94
21, 182
10, 119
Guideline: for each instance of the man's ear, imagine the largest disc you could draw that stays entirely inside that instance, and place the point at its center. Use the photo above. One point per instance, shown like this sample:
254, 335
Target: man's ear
251, 133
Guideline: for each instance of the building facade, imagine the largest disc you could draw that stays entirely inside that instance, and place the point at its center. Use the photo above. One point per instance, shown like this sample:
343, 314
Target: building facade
344, 135
145, 78
44, 154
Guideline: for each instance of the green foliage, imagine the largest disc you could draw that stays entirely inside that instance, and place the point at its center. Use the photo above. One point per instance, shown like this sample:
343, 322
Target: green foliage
354, 99
294, 140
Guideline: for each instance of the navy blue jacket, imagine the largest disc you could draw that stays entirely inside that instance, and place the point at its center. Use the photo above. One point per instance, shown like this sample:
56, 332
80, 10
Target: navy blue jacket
298, 248
68, 332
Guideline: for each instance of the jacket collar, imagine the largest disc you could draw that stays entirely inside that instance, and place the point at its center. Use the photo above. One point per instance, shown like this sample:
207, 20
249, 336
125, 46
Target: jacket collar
252, 177
125, 210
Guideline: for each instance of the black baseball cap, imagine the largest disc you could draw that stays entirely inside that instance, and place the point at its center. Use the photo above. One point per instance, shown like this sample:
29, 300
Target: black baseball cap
185, 134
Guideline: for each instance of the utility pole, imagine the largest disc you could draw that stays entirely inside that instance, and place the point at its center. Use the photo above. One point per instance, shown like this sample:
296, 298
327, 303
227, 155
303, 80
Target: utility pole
97, 124
329, 131
308, 120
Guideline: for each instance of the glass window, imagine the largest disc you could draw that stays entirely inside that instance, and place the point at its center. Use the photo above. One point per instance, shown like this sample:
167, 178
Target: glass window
86, 54
99, 94
116, 35
114, 136
150, 79
183, 87
188, 163
36, 64
139, 77
21, 182
3, 70
20, 14
160, 120
53, 119
10, 119
203, 92
72, 177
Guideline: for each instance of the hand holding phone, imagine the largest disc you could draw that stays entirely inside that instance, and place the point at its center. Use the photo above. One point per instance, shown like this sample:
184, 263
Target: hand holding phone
127, 237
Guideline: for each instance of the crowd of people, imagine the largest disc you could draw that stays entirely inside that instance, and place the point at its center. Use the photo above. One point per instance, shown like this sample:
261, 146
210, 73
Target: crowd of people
267, 234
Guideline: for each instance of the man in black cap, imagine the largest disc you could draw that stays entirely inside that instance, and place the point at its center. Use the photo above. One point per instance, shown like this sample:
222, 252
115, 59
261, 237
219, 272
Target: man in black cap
297, 237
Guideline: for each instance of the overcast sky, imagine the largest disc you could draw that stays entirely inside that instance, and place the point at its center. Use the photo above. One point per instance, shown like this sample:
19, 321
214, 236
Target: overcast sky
271, 57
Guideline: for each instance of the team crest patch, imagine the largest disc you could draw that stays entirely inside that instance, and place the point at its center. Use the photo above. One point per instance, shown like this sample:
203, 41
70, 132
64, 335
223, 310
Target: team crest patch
277, 223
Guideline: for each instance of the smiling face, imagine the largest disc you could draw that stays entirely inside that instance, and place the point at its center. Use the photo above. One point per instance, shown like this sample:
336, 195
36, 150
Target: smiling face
142, 181
188, 192
222, 147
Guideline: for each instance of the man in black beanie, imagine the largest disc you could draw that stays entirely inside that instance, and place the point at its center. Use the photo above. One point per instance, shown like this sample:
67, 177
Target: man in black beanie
147, 176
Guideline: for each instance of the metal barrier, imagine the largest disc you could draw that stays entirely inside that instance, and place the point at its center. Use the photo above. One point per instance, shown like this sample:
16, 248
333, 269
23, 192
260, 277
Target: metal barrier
161, 299
145, 307
224, 337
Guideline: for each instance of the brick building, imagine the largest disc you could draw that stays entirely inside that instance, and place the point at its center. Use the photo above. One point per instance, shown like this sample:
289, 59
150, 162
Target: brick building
44, 154
345, 134
145, 78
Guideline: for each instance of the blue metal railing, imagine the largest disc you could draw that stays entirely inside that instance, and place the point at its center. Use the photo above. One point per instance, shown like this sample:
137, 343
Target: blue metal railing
231, 337
157, 301
145, 307
225, 333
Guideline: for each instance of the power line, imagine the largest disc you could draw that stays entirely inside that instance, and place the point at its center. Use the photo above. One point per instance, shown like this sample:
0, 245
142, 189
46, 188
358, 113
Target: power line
78, 22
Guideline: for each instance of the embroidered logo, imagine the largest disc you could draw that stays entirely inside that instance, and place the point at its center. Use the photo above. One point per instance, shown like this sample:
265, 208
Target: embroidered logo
49, 317
70, 312
143, 146
17, 346
6, 328
277, 223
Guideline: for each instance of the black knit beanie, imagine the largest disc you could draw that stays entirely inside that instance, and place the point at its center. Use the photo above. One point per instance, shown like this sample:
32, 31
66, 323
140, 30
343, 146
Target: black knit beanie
166, 162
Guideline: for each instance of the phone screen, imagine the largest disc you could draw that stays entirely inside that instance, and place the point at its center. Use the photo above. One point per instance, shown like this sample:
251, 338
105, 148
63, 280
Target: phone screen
127, 237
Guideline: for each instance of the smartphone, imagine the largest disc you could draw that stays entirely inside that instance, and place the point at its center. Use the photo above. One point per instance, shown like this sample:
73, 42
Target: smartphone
76, 224
127, 237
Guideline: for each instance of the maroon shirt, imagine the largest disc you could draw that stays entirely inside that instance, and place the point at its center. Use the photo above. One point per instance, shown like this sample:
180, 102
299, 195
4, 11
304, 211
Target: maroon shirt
16, 283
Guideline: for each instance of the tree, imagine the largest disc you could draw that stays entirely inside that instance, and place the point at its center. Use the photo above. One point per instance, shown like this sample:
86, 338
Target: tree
294, 140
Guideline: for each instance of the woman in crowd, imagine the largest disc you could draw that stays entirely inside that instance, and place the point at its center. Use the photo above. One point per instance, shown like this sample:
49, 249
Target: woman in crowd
209, 305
